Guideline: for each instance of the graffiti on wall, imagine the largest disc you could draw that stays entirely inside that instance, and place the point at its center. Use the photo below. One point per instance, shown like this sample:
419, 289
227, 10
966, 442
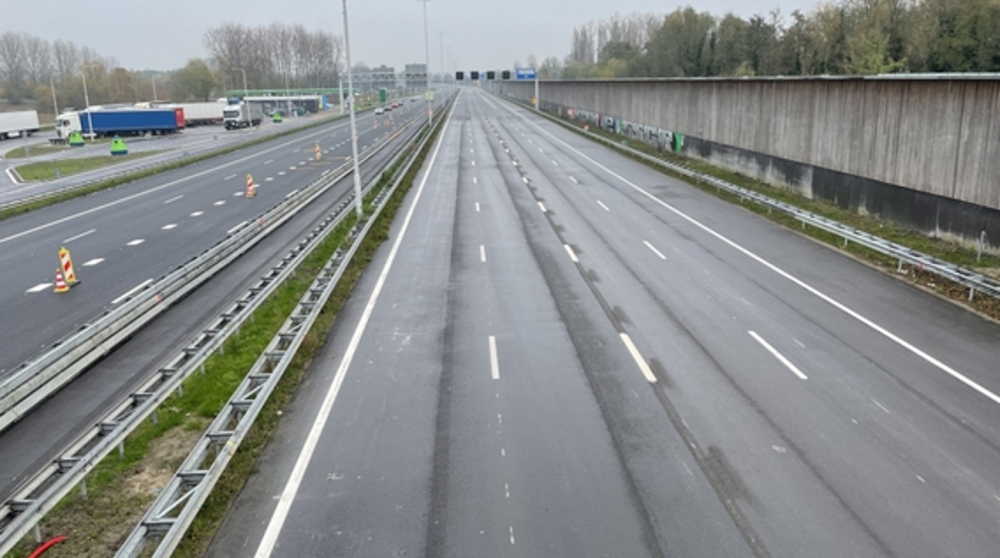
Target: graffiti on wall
661, 139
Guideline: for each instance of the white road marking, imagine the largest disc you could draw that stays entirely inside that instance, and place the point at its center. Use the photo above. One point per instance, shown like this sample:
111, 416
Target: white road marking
473, 163
921, 479
39, 288
494, 361
274, 526
503, 452
600, 203
525, 179
880, 406
134, 290
541, 206
230, 177
477, 207
573, 179
93, 262
220, 202
269, 161
969, 382
474, 180
506, 490
169, 226
482, 253
511, 534
236, 228
281, 173
237, 194
788, 364
653, 248
292, 193
555, 163
799, 343
269, 179
540, 150
79, 236
572, 254
197, 213
472, 150
291, 168
499, 418
135, 242
173, 199
302, 163
643, 365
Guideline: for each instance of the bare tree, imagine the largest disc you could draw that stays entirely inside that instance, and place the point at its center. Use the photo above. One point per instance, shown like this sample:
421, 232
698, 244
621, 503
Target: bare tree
38, 59
66, 57
13, 64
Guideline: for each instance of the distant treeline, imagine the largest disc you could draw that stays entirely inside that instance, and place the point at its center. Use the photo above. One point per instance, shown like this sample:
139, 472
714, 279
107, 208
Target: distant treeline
845, 37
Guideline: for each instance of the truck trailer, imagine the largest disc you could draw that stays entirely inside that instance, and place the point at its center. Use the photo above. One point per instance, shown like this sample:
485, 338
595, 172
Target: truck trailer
242, 115
200, 114
121, 122
13, 124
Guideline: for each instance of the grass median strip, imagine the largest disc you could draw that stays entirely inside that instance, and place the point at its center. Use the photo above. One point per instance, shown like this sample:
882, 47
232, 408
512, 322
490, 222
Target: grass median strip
34, 151
49, 170
121, 489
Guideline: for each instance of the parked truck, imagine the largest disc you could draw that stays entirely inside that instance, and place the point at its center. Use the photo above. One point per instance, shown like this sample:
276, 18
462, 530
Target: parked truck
242, 115
13, 124
121, 122
195, 114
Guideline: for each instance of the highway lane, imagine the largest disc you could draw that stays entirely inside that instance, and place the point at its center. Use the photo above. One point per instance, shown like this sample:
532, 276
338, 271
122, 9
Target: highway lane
36, 439
786, 401
123, 237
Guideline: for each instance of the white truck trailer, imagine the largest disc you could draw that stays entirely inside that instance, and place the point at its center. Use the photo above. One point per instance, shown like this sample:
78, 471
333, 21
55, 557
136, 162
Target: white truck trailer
13, 124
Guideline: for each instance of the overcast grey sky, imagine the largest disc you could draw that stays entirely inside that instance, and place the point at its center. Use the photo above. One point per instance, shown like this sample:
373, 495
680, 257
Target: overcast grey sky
479, 34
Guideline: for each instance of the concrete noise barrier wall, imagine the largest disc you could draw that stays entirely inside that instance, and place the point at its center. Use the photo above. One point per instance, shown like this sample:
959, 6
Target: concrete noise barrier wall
922, 150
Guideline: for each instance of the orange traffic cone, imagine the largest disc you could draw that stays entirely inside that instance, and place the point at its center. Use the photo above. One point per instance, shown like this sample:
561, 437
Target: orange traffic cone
61, 286
251, 187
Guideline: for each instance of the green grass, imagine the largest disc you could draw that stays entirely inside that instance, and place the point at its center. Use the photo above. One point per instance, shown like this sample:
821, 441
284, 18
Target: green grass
111, 508
46, 170
34, 151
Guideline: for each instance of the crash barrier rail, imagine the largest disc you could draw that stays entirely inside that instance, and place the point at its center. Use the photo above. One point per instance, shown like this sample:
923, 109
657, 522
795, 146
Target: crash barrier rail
902, 254
41, 492
169, 517
165, 162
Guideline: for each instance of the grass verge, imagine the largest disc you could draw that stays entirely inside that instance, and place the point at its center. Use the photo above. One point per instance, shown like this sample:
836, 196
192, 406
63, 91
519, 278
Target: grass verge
131, 177
48, 170
34, 150
938, 248
121, 489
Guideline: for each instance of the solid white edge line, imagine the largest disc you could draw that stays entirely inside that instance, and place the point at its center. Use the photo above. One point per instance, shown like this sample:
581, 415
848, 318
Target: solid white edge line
38, 288
173, 199
132, 291
494, 360
236, 228
808, 288
230, 177
600, 203
788, 364
643, 365
572, 254
79, 236
287, 497
653, 248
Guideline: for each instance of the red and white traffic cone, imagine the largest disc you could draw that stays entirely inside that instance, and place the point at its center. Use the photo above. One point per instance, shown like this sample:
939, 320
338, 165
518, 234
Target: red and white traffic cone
251, 189
61, 286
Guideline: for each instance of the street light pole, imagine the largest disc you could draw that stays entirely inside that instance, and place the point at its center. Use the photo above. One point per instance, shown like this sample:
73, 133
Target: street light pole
427, 67
246, 92
52, 86
354, 127
86, 100
153, 79
441, 48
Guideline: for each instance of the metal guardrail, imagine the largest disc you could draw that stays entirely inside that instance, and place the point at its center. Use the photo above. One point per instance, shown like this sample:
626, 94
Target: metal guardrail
40, 493
902, 254
169, 517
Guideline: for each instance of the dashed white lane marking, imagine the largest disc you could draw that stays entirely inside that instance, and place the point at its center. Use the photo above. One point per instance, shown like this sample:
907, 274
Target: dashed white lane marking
79, 236
291, 168
269, 161
473, 163
494, 360
799, 343
788, 364
132, 291
572, 254
135, 242
921, 479
555, 163
220, 202
292, 193
499, 418
541, 206
237, 194
503, 452
269, 179
573, 179
482, 253
511, 534
291, 488
540, 150
302, 163
637, 357
475, 180
39, 288
472, 150
477, 207
600, 203
169, 226
880, 406
173, 199
230, 177
296, 151
197, 213
93, 262
653, 248
281, 173
525, 179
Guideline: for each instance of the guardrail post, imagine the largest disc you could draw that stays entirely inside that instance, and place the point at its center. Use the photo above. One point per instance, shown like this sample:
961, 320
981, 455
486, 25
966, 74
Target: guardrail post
121, 450
83, 489
155, 417
37, 533
982, 245
899, 267
972, 293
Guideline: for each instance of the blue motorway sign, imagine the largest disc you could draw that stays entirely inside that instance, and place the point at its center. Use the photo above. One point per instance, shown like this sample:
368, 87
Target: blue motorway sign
525, 73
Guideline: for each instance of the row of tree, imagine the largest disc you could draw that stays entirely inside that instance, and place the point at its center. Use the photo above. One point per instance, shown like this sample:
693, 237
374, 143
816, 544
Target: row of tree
842, 37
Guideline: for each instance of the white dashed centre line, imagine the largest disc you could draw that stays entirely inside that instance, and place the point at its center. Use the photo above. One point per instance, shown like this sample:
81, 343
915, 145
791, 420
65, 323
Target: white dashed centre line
269, 179
173, 199
475, 180
281, 173
477, 207
220, 202
653, 248
573, 179
511, 534
197, 213
780, 356
136, 242
473, 163
269, 161
237, 194
169, 226
494, 360
39, 288
541, 206
641, 362
482, 253
79, 236
555, 163
230, 177
93, 262
572, 254
600, 203
880, 406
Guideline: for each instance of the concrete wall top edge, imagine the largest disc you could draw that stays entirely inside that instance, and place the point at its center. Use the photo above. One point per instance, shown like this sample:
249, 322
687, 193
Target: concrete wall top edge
878, 77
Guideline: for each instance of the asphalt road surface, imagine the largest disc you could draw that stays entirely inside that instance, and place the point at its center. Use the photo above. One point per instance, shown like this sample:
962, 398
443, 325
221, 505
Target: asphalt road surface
561, 352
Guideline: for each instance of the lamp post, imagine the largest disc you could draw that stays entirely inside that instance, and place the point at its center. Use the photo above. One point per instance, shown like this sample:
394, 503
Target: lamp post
52, 86
246, 92
354, 126
441, 49
427, 66
153, 79
86, 100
